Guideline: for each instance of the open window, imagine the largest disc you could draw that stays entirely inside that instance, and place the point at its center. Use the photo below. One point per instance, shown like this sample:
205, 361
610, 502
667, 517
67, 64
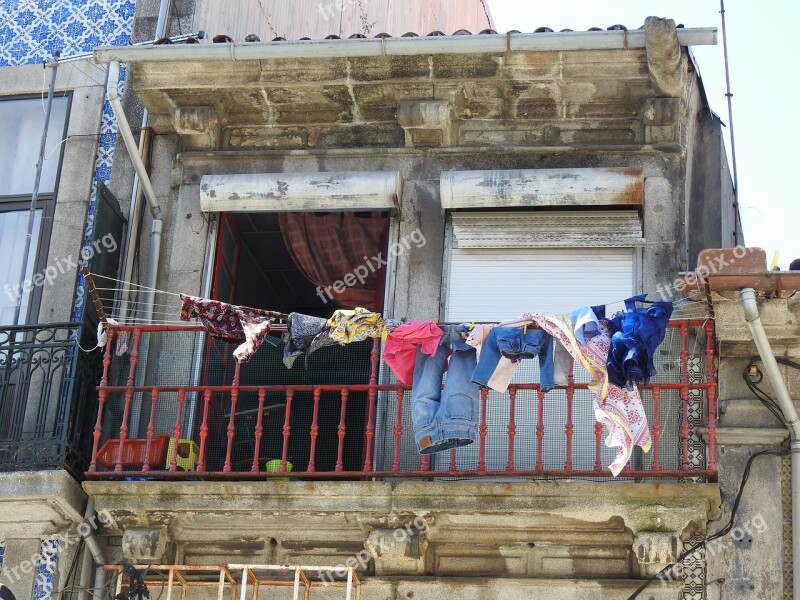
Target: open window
277, 257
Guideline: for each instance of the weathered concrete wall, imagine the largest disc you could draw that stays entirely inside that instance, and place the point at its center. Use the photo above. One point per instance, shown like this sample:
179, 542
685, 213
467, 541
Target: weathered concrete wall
710, 201
531, 529
316, 20
751, 558
418, 286
36, 506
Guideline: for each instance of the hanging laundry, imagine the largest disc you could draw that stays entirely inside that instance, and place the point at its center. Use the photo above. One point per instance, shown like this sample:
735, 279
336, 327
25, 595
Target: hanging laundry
637, 333
400, 349
563, 364
505, 368
620, 410
304, 334
586, 324
515, 344
445, 419
356, 325
231, 323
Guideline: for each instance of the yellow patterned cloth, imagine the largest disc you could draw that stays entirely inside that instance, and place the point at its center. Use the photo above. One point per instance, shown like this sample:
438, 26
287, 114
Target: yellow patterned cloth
356, 325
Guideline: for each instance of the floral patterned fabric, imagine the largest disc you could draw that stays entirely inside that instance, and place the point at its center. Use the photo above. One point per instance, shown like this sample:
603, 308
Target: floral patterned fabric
231, 323
620, 410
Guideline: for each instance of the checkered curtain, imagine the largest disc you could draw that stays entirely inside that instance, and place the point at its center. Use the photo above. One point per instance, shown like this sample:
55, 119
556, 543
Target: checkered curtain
326, 247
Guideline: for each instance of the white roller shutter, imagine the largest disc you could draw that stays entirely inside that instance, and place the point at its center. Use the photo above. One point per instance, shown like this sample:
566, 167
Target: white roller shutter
503, 264
547, 229
494, 285
520, 274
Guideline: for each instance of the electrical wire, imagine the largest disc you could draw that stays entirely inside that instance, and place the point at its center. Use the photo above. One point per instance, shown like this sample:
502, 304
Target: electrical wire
722, 532
752, 376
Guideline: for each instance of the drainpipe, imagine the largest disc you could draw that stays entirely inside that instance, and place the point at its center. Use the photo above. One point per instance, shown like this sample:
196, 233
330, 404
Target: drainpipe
151, 277
143, 150
93, 546
750, 306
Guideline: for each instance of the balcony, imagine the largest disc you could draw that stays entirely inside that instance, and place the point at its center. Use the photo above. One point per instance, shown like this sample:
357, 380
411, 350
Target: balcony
46, 385
247, 422
345, 417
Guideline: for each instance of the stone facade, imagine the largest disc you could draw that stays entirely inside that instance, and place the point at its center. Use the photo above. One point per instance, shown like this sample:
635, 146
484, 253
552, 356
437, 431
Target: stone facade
639, 108
422, 116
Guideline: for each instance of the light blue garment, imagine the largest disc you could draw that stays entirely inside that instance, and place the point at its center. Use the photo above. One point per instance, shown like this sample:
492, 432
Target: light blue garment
586, 322
445, 419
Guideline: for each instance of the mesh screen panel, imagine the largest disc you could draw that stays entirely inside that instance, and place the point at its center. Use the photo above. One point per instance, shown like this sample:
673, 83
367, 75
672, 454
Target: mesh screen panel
172, 355
181, 359
554, 411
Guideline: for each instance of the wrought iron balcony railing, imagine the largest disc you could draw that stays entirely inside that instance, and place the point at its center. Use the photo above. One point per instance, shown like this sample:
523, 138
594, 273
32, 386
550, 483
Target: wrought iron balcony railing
45, 387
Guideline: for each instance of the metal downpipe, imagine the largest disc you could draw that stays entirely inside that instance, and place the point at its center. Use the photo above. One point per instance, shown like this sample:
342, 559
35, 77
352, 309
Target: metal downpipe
751, 315
137, 190
93, 546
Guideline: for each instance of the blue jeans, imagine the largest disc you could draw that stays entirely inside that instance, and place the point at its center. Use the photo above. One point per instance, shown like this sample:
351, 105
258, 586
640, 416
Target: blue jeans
444, 420
515, 345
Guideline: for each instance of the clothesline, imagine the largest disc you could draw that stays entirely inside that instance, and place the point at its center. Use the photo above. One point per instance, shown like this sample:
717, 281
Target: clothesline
683, 302
134, 319
617, 351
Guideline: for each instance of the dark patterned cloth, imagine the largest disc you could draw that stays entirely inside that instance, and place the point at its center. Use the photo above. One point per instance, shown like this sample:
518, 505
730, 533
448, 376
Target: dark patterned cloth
305, 334
231, 323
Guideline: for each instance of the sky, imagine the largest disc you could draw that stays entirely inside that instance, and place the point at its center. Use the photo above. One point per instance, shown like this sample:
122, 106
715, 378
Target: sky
763, 61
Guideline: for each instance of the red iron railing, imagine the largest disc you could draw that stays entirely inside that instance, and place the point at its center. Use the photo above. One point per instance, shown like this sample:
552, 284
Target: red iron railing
536, 435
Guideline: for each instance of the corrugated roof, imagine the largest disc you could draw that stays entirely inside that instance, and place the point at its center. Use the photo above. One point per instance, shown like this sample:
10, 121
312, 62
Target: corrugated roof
224, 38
316, 19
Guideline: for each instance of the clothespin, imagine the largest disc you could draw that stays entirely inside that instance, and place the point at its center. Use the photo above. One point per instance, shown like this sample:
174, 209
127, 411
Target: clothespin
471, 326
524, 329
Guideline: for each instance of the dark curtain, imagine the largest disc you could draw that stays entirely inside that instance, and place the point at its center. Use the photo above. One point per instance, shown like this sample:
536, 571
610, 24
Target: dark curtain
329, 247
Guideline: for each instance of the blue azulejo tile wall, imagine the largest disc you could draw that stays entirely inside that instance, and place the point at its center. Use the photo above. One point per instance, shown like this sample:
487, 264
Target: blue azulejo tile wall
31, 31
46, 570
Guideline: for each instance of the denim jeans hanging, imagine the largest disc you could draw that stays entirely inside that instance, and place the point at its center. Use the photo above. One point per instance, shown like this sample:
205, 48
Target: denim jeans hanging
444, 419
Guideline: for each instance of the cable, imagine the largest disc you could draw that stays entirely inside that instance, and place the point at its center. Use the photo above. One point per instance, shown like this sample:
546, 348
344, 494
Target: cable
724, 531
751, 372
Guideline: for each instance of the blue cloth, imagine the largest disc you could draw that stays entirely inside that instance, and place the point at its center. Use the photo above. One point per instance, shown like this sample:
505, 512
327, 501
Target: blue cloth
445, 419
637, 333
516, 344
586, 322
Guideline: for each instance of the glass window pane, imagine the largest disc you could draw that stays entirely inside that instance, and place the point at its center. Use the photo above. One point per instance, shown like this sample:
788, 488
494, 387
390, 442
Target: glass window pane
22, 121
13, 228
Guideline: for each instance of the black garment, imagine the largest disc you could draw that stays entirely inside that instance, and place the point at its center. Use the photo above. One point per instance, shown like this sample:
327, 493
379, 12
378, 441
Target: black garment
305, 334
